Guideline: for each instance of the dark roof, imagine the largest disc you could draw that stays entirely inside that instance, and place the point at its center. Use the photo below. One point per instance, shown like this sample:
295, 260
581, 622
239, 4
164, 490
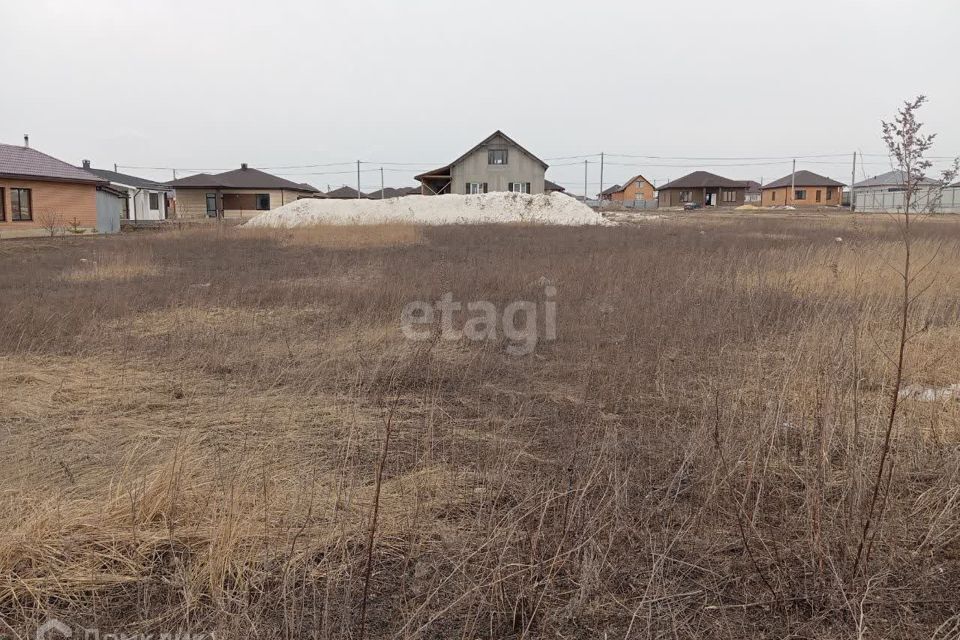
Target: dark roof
611, 190
306, 186
343, 192
699, 179
392, 192
445, 170
752, 186
803, 179
243, 178
896, 178
25, 162
618, 188
552, 186
124, 179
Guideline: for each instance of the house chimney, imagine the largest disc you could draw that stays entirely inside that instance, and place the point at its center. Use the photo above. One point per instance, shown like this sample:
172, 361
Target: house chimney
26, 139
86, 164
243, 166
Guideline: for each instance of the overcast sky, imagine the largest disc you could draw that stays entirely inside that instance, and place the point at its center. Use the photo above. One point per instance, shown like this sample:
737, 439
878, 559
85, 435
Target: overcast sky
206, 85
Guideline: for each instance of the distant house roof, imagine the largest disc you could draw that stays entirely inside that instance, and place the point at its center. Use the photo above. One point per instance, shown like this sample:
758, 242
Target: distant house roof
894, 178
612, 190
552, 186
392, 192
803, 179
752, 186
618, 188
445, 170
702, 179
343, 192
127, 180
26, 162
306, 186
242, 178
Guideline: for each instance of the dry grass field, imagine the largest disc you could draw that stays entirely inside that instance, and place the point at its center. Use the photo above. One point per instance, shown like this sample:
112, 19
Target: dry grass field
197, 427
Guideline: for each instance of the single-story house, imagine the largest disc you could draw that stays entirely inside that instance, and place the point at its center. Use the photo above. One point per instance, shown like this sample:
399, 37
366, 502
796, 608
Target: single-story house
636, 188
607, 194
886, 193
890, 181
239, 193
752, 194
802, 189
39, 193
145, 199
345, 193
702, 188
497, 163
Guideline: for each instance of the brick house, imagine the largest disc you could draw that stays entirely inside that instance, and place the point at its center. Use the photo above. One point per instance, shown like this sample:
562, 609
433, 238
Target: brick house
240, 193
636, 188
38, 191
702, 188
802, 189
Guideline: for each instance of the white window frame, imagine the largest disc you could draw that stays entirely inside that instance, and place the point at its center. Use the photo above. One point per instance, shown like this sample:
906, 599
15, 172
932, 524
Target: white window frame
520, 187
474, 188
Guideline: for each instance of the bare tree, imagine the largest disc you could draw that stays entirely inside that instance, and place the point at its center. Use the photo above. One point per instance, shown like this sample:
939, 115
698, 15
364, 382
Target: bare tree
51, 222
907, 146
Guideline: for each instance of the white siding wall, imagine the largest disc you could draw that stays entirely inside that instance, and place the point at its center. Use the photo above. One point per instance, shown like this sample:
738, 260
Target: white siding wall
520, 167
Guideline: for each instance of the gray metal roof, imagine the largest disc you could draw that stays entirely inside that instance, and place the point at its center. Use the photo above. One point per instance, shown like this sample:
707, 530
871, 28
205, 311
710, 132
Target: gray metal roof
803, 179
26, 162
894, 178
128, 180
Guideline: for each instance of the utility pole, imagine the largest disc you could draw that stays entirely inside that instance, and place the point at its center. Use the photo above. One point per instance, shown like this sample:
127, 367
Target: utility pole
358, 179
114, 167
174, 173
382, 195
585, 181
853, 179
601, 181
793, 180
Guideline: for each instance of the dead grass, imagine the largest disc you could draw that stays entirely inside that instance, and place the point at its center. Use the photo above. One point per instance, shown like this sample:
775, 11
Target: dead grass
191, 431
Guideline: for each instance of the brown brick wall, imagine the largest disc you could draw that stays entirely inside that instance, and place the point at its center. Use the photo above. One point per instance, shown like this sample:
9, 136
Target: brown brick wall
784, 196
68, 201
633, 192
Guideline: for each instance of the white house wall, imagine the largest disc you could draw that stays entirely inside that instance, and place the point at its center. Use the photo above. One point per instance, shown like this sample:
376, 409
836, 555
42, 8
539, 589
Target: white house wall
520, 167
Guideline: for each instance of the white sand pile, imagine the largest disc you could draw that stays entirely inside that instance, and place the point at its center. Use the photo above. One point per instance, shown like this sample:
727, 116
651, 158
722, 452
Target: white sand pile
553, 208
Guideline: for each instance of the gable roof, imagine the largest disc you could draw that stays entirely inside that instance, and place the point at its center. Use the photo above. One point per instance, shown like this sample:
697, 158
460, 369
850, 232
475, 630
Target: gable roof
803, 178
444, 170
611, 190
752, 186
243, 178
552, 186
895, 178
343, 192
127, 180
626, 184
700, 179
26, 162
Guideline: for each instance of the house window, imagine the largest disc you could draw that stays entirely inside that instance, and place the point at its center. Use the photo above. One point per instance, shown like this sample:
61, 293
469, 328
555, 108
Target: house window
474, 188
829, 194
773, 196
520, 187
497, 156
263, 202
729, 196
3, 207
21, 201
154, 202
212, 205
686, 196
818, 195
799, 194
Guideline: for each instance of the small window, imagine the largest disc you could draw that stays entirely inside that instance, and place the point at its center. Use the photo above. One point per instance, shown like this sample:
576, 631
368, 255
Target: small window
729, 196
21, 205
520, 187
497, 156
818, 195
154, 202
686, 196
476, 188
829, 194
263, 202
3, 206
799, 194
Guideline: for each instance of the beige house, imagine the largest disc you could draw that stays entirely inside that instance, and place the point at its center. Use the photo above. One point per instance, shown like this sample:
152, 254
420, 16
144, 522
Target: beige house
496, 164
802, 189
242, 193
